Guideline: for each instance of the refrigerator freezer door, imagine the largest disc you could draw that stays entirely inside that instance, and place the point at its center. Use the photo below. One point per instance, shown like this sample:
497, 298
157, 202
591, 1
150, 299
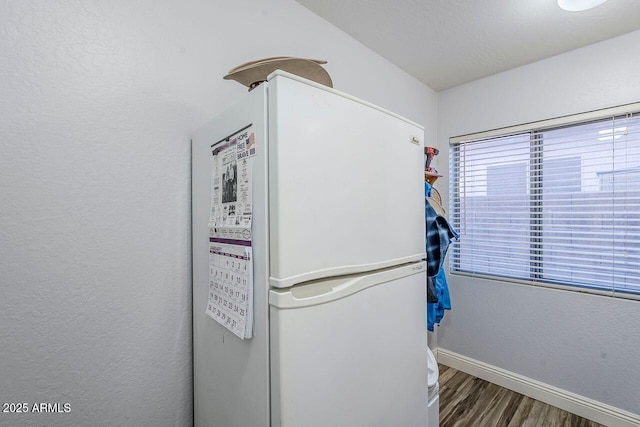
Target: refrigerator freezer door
351, 354
346, 188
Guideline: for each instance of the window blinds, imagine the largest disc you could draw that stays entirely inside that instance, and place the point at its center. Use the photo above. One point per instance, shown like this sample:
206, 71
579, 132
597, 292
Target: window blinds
556, 204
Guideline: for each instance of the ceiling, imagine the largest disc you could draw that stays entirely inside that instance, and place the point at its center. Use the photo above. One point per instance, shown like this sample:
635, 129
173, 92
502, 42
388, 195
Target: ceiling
445, 43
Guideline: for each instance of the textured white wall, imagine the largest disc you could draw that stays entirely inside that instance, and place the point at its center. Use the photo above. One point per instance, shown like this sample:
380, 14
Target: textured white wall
582, 343
97, 102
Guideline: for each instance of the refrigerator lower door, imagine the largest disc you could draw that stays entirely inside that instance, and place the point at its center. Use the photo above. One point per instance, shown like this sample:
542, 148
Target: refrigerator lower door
351, 351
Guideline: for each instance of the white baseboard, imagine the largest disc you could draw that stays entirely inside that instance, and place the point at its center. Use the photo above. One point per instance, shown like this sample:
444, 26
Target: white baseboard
571, 402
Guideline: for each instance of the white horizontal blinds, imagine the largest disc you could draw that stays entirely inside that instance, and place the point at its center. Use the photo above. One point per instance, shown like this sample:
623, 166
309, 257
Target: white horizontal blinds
491, 206
558, 205
624, 181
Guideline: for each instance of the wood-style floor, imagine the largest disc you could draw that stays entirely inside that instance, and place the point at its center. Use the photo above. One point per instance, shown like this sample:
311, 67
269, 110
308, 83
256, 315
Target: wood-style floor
467, 401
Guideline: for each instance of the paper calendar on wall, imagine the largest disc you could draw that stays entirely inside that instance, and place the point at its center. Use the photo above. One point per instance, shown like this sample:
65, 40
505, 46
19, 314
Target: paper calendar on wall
230, 300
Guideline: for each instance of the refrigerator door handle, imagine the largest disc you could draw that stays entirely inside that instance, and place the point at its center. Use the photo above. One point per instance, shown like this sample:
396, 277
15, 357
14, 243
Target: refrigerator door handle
327, 290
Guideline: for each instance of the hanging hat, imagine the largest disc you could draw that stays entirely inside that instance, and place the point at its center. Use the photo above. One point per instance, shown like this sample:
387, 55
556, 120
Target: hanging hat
436, 201
251, 74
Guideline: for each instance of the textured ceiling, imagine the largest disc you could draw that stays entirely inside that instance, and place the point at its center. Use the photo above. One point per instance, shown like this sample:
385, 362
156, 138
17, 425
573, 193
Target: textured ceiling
445, 43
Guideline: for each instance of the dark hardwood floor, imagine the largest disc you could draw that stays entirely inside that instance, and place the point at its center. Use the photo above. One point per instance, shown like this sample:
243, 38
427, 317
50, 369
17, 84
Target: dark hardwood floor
467, 401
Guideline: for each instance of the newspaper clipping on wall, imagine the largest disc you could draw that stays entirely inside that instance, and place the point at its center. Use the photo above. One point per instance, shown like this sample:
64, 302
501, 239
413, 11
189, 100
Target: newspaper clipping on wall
231, 186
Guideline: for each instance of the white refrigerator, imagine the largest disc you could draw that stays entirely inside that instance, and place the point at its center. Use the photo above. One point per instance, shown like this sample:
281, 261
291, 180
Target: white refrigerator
337, 235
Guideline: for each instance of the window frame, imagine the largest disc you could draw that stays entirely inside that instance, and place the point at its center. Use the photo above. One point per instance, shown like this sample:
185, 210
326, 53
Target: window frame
536, 129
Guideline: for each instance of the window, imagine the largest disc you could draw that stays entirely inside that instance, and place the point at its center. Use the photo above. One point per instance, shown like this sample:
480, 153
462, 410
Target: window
553, 203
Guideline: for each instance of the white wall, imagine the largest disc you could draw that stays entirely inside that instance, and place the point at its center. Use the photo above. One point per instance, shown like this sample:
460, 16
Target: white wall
581, 343
97, 102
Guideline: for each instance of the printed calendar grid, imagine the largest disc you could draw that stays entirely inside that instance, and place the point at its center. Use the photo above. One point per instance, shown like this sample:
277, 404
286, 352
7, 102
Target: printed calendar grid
230, 287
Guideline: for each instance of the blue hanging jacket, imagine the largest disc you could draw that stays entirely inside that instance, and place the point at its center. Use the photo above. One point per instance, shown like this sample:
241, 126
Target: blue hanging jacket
435, 311
439, 235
